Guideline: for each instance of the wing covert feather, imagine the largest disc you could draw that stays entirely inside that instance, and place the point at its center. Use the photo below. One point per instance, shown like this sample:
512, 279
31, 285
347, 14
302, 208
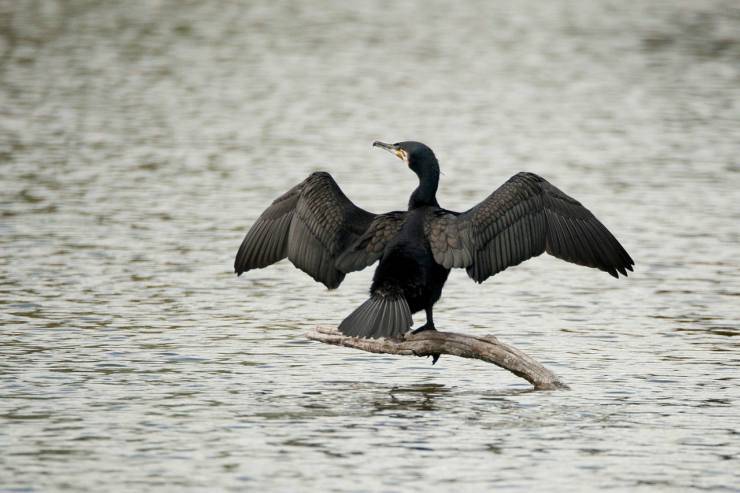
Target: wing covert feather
370, 246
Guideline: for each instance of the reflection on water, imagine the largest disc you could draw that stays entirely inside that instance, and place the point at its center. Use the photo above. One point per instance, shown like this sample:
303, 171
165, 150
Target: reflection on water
138, 141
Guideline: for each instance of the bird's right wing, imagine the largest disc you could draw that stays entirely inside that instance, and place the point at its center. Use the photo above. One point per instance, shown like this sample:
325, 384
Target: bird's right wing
313, 224
523, 218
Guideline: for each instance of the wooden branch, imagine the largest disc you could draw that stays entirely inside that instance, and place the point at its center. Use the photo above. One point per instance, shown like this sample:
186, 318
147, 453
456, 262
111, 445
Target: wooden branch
430, 343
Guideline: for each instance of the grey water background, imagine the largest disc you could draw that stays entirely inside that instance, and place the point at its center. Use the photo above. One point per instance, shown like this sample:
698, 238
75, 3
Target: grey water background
139, 141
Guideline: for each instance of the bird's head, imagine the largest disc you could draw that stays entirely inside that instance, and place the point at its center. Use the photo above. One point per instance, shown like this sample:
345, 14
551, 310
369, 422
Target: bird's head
416, 155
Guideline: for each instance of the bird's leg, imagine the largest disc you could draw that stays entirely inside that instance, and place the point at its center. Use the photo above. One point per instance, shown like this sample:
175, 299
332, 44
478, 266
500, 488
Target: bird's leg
430, 322
428, 326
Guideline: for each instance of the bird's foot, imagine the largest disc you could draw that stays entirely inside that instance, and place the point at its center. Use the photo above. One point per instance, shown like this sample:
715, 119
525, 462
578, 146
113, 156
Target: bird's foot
426, 326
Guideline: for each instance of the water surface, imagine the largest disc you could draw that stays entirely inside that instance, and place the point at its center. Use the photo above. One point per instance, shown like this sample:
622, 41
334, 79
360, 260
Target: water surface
139, 140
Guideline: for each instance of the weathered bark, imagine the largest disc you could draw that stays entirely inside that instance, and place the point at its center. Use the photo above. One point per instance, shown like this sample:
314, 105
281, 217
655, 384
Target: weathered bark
429, 343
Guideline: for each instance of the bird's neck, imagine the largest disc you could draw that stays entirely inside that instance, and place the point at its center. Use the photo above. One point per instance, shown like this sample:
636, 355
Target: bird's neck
426, 193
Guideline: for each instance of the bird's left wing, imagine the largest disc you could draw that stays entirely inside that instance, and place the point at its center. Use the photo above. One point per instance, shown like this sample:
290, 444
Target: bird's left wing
311, 224
523, 218
370, 246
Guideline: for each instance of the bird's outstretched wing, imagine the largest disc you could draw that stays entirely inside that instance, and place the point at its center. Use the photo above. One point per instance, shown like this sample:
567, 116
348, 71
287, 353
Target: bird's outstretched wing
312, 224
370, 246
523, 218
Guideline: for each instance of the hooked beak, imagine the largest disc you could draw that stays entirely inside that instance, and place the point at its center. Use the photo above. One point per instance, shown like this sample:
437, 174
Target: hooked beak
383, 145
393, 149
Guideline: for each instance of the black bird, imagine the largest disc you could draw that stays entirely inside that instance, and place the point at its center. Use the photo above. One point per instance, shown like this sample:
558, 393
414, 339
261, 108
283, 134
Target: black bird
324, 234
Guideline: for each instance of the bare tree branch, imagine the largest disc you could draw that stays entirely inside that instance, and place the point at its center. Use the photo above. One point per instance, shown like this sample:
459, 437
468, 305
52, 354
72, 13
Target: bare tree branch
431, 343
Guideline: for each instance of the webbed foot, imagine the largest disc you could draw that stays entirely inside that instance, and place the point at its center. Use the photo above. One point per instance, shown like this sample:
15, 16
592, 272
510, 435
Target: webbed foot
426, 326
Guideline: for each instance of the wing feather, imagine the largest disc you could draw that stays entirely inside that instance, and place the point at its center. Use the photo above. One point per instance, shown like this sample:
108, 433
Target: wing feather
523, 218
370, 246
311, 224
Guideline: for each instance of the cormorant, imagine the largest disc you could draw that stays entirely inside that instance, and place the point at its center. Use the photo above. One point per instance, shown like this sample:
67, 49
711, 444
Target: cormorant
324, 234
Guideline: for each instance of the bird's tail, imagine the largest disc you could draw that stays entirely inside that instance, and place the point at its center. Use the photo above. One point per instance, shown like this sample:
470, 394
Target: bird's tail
385, 316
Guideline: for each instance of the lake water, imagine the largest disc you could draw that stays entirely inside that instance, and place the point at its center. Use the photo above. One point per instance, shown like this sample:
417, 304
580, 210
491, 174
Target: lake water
140, 140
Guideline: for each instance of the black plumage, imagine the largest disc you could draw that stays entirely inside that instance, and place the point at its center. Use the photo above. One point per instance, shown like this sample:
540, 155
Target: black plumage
324, 234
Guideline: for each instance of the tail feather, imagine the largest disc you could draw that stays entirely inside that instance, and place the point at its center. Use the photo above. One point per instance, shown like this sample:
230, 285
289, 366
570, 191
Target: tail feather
380, 316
